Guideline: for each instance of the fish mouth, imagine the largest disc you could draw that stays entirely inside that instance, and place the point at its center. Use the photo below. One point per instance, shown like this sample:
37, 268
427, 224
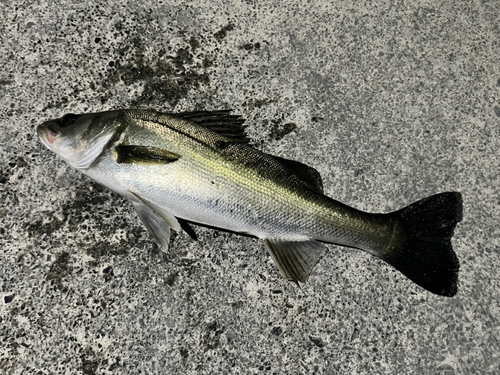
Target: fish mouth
46, 134
40, 130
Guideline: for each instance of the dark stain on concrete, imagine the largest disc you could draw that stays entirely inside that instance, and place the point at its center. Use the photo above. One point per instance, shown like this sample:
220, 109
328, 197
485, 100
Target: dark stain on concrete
38, 227
59, 269
170, 280
258, 103
279, 129
222, 33
166, 77
250, 46
90, 363
211, 336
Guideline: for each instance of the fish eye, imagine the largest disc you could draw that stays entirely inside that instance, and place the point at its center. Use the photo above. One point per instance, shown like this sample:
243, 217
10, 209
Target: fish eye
67, 120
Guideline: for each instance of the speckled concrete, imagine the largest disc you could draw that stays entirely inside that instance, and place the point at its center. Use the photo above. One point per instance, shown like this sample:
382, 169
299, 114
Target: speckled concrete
390, 101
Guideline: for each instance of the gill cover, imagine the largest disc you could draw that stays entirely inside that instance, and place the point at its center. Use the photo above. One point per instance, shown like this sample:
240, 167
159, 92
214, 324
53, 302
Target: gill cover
82, 139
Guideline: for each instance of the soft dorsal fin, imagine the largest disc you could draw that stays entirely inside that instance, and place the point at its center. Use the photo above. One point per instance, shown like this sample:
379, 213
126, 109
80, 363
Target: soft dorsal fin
295, 259
221, 122
307, 174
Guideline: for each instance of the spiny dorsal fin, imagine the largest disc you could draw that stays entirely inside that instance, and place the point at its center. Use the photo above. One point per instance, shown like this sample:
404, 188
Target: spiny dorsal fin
221, 122
128, 154
307, 174
295, 259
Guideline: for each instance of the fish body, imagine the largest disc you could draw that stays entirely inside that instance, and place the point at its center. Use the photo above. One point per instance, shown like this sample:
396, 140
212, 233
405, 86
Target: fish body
198, 167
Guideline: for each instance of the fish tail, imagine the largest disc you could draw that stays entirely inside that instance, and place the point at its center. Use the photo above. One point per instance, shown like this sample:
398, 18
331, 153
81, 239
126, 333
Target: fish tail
421, 248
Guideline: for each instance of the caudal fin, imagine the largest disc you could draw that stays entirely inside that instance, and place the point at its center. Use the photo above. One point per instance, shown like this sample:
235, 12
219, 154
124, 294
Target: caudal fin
423, 251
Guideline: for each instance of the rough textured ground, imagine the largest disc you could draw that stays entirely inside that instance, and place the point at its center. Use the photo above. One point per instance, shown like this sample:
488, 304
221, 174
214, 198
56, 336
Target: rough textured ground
391, 101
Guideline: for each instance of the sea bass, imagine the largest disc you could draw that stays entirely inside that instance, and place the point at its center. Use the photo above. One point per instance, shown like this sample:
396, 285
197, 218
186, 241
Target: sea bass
199, 167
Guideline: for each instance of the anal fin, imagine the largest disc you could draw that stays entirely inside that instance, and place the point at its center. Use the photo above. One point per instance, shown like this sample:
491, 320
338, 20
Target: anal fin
295, 259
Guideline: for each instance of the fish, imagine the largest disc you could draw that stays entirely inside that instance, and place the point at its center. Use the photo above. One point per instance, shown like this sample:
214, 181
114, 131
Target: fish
199, 167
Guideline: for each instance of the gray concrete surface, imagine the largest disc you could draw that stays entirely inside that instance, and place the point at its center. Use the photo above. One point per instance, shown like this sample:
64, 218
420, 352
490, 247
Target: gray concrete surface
391, 101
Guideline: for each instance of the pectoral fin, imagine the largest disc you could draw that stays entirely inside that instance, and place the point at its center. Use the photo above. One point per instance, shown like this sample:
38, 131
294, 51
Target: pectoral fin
295, 259
130, 154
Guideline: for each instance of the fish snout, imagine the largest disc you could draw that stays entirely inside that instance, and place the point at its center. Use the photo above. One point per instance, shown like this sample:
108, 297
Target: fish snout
46, 133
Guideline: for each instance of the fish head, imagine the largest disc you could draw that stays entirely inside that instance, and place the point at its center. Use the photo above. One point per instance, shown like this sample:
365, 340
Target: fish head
82, 139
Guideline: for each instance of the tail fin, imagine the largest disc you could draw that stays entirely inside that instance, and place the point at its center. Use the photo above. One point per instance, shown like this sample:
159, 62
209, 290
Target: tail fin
424, 253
